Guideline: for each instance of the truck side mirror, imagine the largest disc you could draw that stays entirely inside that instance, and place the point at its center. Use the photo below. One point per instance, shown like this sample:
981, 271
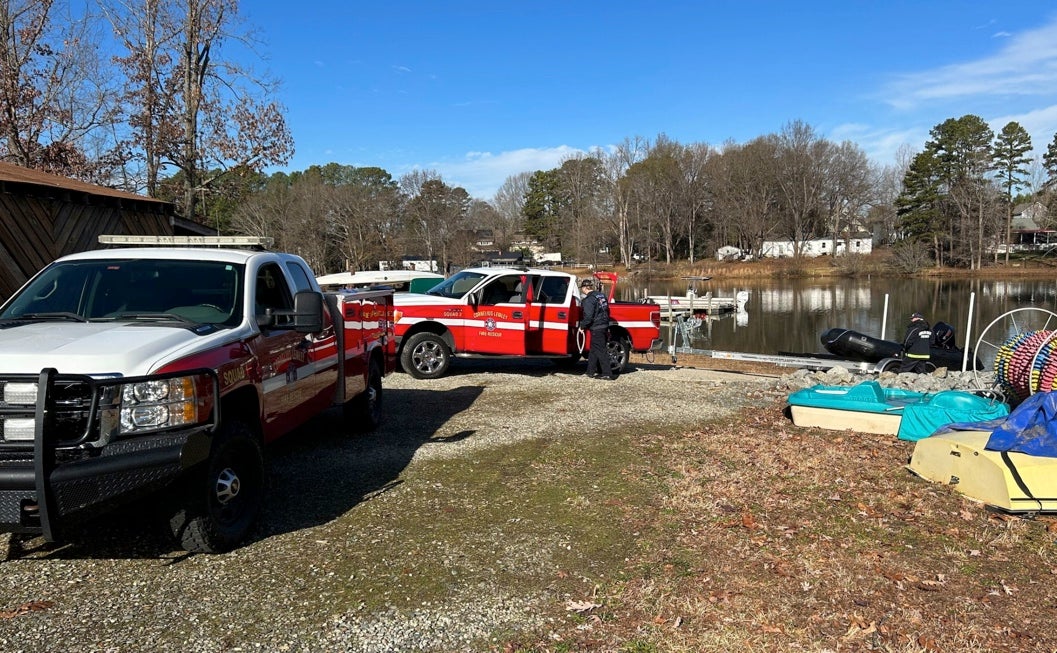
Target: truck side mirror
308, 312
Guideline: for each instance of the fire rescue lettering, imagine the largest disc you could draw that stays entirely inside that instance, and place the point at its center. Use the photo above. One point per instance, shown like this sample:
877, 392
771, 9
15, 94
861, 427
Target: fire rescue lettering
490, 324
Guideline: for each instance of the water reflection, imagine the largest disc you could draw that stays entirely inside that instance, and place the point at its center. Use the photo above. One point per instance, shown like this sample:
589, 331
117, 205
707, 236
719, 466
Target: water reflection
790, 315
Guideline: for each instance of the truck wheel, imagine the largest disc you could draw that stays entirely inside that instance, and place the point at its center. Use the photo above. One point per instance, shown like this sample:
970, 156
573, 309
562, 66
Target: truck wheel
619, 350
364, 411
225, 496
425, 356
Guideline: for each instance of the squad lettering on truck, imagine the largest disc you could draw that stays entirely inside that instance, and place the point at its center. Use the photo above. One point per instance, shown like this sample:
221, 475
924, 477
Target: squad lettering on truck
177, 366
232, 376
513, 313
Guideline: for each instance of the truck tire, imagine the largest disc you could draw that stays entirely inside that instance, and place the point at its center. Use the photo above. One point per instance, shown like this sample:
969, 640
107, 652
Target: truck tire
619, 350
224, 497
425, 356
364, 411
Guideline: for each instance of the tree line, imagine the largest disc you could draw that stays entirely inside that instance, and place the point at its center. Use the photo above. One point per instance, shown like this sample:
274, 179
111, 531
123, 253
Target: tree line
165, 109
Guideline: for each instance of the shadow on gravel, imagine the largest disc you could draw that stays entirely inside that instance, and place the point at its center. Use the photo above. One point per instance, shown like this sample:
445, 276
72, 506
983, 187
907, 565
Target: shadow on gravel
316, 473
536, 368
319, 473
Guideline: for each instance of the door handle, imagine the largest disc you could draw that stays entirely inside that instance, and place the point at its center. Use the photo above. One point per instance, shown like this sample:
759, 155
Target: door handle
518, 315
562, 315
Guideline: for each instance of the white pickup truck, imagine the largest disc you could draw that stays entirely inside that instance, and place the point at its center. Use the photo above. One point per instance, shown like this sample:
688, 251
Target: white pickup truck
131, 370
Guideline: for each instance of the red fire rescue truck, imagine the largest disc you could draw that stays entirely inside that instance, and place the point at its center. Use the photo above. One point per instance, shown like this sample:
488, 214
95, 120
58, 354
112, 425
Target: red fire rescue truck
510, 312
125, 371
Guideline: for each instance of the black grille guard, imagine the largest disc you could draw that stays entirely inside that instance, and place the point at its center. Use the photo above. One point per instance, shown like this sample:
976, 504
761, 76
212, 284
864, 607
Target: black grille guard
47, 446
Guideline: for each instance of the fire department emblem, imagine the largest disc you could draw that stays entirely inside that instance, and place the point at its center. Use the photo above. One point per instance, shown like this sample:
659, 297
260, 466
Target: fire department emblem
489, 324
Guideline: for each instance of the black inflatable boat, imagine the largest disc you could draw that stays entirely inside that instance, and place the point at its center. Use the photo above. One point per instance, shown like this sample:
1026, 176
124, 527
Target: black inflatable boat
853, 345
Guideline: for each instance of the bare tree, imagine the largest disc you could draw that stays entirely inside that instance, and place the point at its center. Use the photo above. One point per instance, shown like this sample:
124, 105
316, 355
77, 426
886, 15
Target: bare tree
695, 189
582, 180
625, 155
655, 183
53, 92
803, 158
363, 210
201, 115
509, 204
848, 189
888, 183
744, 178
263, 213
435, 212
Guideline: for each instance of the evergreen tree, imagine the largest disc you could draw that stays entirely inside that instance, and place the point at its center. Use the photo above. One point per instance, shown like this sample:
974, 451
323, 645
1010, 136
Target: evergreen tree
1011, 161
919, 206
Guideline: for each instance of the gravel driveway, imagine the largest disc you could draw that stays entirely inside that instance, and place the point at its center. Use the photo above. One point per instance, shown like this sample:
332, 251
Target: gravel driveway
121, 587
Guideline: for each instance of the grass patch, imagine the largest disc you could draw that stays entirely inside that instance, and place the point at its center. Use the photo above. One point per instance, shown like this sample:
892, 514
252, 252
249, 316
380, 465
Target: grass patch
778, 538
535, 517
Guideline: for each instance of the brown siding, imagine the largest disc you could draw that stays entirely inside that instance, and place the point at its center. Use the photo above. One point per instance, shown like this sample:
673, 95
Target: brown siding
36, 230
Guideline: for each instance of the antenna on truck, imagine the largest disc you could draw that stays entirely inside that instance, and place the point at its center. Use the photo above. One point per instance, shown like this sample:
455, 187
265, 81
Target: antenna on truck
252, 242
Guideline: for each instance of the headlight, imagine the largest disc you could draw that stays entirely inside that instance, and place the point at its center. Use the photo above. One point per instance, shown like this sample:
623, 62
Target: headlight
152, 405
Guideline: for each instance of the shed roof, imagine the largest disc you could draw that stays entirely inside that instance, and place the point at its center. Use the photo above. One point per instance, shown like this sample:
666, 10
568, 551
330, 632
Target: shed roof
13, 174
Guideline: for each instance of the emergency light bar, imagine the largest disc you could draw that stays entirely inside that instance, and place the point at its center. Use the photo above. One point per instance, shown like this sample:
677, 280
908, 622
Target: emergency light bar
261, 242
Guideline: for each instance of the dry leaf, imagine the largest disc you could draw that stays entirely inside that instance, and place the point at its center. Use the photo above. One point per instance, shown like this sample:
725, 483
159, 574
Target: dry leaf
581, 606
26, 608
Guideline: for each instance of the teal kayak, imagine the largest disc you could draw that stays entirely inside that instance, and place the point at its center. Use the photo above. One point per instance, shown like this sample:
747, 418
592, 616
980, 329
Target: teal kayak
870, 408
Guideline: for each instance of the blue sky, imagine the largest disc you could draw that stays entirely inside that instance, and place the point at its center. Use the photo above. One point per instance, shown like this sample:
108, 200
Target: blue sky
481, 90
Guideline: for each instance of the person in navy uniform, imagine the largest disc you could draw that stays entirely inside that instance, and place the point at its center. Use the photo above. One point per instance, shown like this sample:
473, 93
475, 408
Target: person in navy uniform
916, 345
595, 318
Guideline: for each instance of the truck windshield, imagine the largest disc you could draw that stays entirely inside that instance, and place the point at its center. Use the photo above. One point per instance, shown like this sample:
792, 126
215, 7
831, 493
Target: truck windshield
457, 285
202, 292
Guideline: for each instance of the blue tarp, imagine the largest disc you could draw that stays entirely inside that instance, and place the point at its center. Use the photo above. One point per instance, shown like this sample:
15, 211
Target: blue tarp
1030, 428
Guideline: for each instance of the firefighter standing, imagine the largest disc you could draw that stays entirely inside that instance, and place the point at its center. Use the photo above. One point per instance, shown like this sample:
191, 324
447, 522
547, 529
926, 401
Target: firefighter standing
595, 318
916, 345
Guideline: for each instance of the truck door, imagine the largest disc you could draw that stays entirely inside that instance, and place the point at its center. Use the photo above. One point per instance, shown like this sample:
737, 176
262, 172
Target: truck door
289, 395
496, 324
550, 315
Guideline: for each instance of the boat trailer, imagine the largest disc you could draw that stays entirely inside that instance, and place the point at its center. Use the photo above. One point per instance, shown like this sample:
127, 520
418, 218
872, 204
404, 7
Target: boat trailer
812, 363
682, 330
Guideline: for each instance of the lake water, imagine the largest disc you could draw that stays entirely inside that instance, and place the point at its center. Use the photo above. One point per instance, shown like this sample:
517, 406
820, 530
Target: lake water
791, 315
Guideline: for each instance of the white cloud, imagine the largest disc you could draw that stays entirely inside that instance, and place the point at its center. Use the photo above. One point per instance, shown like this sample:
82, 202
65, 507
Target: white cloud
1026, 65
882, 146
482, 173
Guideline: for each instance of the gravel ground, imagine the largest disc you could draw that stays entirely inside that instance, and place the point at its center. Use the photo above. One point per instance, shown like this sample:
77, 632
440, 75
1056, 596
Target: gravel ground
119, 586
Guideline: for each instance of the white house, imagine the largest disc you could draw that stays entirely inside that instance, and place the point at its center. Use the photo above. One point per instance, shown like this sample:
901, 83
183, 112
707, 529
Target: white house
859, 244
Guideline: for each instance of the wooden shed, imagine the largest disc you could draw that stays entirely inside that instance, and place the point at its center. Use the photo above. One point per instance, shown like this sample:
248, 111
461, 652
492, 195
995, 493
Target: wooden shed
45, 216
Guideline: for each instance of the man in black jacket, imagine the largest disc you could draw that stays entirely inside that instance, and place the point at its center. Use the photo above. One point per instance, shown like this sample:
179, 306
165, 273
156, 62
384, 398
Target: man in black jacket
595, 318
916, 344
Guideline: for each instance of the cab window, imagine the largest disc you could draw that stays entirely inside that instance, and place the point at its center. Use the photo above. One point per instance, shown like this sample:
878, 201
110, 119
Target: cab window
553, 290
504, 290
300, 277
272, 292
